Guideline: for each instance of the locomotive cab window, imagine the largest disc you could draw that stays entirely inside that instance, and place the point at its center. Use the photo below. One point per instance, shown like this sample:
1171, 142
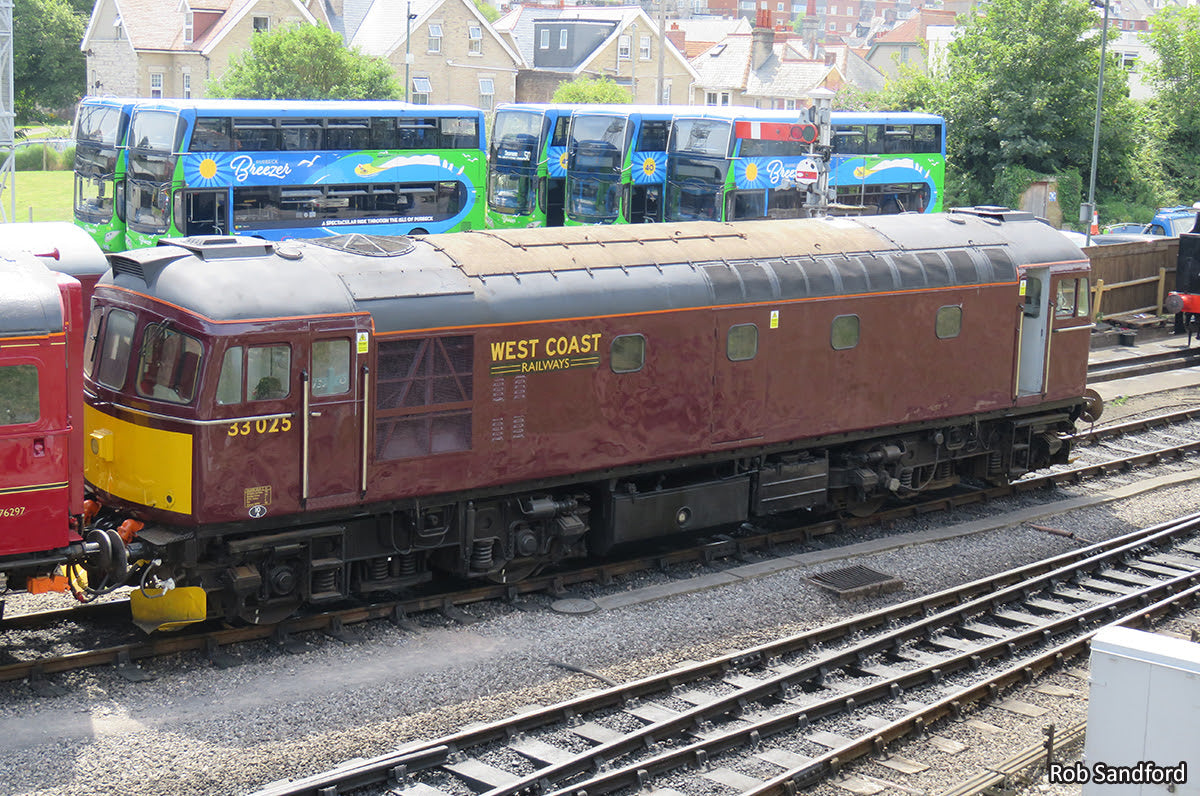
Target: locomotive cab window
949, 322
628, 353
1072, 299
114, 349
331, 367
268, 372
844, 332
742, 342
19, 401
168, 365
229, 385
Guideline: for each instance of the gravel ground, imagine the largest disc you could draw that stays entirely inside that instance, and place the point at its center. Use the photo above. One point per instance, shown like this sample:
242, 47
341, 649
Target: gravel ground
197, 729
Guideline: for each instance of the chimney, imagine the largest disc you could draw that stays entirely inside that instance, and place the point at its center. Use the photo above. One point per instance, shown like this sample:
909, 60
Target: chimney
677, 37
762, 39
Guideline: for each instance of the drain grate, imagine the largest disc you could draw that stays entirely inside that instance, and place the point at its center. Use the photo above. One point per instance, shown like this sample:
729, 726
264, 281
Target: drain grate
857, 581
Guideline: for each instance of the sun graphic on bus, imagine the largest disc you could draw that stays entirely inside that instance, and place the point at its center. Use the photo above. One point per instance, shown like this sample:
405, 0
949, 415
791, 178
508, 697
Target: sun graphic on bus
204, 169
562, 160
649, 167
751, 172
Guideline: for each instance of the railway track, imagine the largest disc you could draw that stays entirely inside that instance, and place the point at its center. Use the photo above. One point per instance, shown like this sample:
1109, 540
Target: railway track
1142, 365
123, 649
772, 719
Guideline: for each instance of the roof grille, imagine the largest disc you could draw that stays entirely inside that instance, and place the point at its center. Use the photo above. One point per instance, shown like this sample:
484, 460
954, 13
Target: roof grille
370, 245
857, 581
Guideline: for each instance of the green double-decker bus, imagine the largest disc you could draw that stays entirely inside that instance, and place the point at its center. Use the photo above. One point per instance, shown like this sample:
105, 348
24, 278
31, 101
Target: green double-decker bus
280, 169
101, 124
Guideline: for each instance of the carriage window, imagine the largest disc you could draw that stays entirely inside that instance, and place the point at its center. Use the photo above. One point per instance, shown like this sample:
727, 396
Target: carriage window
18, 395
1064, 305
331, 367
114, 351
229, 386
742, 343
268, 368
168, 365
628, 353
844, 333
948, 323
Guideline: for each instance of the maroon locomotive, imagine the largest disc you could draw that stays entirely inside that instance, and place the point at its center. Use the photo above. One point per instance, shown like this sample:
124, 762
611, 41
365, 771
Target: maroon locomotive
301, 421
44, 269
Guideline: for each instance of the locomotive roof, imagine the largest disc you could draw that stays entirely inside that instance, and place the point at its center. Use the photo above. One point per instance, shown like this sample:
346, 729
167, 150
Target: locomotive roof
60, 245
474, 278
32, 303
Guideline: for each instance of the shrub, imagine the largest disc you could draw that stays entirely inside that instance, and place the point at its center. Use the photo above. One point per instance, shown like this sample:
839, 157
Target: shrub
36, 157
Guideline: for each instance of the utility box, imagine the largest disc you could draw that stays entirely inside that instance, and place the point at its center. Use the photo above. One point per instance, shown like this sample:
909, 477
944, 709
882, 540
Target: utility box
1143, 731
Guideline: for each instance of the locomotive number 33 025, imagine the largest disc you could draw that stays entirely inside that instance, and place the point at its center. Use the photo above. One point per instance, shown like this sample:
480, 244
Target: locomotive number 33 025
263, 425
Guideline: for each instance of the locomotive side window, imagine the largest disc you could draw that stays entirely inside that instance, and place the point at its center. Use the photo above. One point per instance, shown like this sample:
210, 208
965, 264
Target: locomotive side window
169, 365
331, 367
628, 353
114, 351
19, 395
269, 369
844, 332
742, 342
1031, 289
229, 385
949, 322
1084, 307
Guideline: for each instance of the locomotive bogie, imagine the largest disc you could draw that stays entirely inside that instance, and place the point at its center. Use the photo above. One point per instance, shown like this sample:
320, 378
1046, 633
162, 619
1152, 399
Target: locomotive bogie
484, 404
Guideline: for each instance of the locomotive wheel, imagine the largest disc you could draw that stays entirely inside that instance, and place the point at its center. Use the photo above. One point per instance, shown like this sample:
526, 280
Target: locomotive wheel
516, 570
865, 509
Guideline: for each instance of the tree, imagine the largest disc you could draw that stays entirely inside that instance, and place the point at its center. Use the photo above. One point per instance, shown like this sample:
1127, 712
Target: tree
489, 11
49, 71
1174, 113
1018, 90
305, 62
590, 90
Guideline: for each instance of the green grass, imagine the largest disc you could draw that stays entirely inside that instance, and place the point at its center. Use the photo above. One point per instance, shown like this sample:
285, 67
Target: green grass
41, 196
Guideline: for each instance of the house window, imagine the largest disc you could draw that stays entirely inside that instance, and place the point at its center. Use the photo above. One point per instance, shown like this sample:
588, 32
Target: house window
262, 24
475, 40
487, 92
544, 40
118, 29
156, 85
562, 39
435, 38
421, 89
666, 91
779, 6
833, 11
644, 48
716, 98
904, 55
189, 26
623, 44
789, 105
187, 85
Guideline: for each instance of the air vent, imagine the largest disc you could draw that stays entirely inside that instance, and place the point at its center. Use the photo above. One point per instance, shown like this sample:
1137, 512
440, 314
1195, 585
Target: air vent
123, 266
369, 245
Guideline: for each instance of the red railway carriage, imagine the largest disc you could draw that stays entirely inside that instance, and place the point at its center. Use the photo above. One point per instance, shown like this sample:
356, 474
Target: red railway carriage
301, 421
42, 311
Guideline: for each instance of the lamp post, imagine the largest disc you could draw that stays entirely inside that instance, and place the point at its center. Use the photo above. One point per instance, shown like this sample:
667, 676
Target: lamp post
408, 17
1089, 209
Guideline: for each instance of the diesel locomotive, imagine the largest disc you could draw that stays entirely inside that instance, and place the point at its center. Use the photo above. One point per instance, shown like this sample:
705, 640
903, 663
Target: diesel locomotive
278, 424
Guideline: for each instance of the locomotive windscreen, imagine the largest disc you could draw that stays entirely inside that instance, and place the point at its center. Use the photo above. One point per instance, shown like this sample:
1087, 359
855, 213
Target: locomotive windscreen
1187, 269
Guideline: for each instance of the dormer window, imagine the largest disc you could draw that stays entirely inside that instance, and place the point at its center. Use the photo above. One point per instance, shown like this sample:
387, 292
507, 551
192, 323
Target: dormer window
118, 28
189, 26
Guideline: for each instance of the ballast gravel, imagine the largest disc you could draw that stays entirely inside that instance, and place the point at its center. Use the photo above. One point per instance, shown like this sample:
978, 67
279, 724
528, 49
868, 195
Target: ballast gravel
197, 729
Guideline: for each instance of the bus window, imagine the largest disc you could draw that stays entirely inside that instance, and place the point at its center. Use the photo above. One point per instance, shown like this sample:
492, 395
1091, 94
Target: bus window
156, 130
459, 132
898, 139
256, 135
748, 204
653, 135
211, 134
850, 140
301, 135
352, 134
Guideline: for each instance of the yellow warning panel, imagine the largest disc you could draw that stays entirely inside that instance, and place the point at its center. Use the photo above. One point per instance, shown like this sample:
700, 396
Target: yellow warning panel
155, 610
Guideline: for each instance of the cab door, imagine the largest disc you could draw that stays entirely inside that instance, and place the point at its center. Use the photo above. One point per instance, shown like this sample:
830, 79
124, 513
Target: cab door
1034, 334
333, 398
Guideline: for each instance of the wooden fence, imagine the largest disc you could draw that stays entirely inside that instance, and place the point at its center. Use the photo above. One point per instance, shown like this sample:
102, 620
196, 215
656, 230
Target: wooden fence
1132, 278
